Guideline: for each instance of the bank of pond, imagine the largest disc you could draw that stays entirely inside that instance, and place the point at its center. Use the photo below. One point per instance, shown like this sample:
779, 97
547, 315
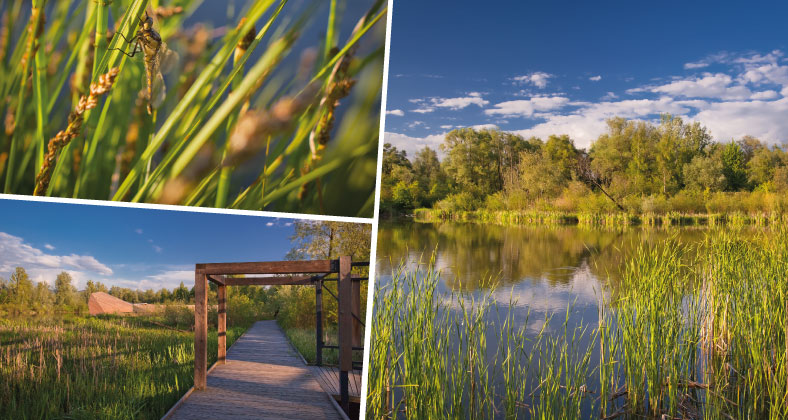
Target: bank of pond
689, 323
611, 219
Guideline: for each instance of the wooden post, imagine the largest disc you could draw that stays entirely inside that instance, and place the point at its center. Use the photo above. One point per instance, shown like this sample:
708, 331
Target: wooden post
319, 322
345, 330
222, 324
356, 304
200, 329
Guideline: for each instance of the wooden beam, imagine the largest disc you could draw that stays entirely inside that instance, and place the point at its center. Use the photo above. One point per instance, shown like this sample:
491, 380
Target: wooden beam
345, 329
273, 267
358, 341
200, 331
217, 279
222, 324
319, 323
266, 281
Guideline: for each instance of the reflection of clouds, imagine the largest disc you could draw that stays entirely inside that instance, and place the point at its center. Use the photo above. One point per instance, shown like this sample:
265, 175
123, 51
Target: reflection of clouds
582, 290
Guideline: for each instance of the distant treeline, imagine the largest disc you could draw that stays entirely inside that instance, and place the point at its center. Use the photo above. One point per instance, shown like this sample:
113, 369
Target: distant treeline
636, 167
21, 294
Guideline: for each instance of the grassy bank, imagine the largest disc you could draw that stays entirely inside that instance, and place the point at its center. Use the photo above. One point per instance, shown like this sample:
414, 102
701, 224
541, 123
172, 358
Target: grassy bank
513, 217
684, 335
95, 368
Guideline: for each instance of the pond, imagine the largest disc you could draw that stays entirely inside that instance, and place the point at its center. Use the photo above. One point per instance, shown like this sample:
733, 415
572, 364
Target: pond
533, 273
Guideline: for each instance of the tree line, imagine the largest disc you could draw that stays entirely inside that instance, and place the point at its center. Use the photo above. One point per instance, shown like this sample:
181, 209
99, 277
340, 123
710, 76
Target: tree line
635, 166
19, 293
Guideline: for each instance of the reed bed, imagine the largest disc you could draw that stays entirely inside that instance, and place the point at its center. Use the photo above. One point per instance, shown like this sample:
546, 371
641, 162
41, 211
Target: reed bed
690, 333
615, 219
95, 368
254, 117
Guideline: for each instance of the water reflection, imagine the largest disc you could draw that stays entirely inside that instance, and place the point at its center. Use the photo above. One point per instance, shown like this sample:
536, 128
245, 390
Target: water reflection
544, 268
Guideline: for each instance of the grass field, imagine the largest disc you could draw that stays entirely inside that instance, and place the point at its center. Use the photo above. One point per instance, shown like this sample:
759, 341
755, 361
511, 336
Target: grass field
95, 368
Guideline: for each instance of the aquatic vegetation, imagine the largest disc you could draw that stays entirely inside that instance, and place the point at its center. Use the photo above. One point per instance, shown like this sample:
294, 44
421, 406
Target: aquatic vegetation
690, 331
314, 119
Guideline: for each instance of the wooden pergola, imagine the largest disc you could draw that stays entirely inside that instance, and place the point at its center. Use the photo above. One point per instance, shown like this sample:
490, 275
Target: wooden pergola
309, 273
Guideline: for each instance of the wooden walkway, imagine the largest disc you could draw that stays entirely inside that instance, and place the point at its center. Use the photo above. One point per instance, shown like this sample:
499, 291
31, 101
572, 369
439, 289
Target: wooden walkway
328, 377
263, 378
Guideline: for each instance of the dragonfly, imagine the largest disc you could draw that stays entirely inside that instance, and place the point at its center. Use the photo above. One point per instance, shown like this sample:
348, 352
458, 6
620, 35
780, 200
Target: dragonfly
158, 58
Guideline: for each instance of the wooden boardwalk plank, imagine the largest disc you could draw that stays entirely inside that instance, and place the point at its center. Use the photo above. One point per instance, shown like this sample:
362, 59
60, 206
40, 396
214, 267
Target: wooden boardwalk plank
263, 378
328, 377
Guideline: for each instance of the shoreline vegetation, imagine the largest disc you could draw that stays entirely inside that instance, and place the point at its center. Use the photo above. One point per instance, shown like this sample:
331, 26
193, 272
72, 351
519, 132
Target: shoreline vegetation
612, 219
671, 172
684, 334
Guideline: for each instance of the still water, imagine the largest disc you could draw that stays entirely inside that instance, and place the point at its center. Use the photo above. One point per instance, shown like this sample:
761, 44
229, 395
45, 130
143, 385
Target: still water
548, 271
544, 268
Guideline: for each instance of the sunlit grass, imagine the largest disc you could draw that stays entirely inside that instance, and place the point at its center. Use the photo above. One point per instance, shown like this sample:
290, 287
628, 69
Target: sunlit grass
95, 368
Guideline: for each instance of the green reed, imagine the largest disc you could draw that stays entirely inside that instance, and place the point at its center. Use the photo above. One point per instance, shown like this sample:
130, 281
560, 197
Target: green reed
239, 127
95, 368
689, 332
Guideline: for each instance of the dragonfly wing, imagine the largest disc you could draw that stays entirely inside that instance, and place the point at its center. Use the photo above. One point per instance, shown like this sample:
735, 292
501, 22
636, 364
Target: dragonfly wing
168, 59
159, 91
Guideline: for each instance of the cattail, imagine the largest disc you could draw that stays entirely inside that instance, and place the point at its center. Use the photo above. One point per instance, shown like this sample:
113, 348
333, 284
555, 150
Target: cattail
246, 140
338, 87
167, 11
75, 120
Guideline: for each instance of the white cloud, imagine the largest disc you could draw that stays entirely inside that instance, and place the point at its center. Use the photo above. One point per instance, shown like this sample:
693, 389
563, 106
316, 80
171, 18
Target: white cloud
762, 119
718, 85
595, 78
424, 110
158, 249
413, 144
460, 102
484, 127
41, 266
538, 79
397, 112
49, 247
447, 127
609, 96
269, 224
527, 107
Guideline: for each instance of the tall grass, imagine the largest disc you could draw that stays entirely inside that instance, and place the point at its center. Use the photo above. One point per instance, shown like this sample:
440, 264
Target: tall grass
686, 333
95, 368
239, 128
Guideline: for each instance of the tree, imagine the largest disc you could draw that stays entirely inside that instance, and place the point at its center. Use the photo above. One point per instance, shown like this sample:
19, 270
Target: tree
329, 240
21, 287
561, 152
90, 288
64, 290
704, 173
181, 294
42, 296
761, 166
734, 167
393, 157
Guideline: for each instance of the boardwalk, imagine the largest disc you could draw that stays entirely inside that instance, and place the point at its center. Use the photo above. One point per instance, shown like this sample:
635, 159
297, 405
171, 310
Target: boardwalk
263, 378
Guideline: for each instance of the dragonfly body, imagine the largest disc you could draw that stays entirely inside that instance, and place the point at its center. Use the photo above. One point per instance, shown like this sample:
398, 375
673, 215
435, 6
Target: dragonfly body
148, 41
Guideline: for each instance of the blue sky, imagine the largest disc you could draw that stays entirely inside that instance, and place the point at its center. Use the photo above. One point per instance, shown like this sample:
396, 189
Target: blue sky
128, 247
561, 67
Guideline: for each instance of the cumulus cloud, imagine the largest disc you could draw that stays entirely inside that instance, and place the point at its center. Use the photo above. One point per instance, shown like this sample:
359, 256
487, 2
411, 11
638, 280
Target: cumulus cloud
42, 266
538, 79
428, 105
595, 78
411, 145
527, 107
49, 247
718, 85
397, 112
